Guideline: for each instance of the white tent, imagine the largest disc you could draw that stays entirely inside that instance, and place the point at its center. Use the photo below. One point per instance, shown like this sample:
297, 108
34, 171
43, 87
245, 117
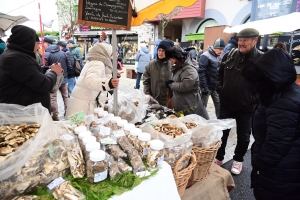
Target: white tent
286, 23
8, 21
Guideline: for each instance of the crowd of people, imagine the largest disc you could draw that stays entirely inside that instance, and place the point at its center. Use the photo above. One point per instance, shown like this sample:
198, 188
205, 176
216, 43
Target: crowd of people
255, 88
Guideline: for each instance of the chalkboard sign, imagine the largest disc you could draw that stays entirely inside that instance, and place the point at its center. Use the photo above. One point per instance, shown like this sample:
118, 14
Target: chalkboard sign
264, 9
295, 46
114, 14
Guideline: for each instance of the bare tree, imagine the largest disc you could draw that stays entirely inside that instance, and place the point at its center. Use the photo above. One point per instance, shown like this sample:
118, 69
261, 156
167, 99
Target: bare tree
67, 11
166, 18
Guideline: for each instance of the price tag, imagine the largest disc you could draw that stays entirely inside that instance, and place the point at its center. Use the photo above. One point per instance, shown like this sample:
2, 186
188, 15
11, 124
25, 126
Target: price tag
118, 133
100, 176
108, 141
66, 137
160, 160
105, 119
104, 130
77, 117
143, 174
145, 151
55, 183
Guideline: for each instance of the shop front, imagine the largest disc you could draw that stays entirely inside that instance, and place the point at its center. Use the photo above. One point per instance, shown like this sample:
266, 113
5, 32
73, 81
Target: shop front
127, 41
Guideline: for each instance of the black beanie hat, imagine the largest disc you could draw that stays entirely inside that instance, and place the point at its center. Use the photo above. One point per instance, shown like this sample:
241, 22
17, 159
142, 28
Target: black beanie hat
165, 44
23, 37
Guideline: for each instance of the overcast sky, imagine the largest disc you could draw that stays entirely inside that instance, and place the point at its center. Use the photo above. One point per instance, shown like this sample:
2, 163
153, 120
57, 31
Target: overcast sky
29, 8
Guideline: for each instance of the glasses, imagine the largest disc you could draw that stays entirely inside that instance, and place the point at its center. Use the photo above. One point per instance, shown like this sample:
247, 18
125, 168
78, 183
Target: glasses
161, 50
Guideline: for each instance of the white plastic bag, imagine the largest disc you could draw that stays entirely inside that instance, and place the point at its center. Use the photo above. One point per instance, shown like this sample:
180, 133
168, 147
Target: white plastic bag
12, 114
207, 132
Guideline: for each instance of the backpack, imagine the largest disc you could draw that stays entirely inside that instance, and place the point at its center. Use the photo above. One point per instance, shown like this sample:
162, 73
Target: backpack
77, 67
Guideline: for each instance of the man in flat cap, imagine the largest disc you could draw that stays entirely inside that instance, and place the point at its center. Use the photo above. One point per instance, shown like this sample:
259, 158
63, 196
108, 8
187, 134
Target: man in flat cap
236, 95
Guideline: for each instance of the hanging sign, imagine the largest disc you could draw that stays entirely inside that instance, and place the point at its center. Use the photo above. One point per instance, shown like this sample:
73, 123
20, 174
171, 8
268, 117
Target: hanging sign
114, 14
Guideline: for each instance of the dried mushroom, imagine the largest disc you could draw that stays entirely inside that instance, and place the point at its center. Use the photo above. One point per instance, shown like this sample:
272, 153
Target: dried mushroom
45, 165
66, 191
12, 137
169, 129
26, 197
77, 164
190, 125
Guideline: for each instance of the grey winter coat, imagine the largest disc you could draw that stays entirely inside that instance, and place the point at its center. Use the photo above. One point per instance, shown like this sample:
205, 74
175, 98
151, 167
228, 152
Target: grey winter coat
156, 73
143, 57
186, 90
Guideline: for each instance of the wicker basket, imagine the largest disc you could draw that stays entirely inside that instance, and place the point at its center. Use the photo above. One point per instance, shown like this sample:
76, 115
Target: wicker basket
205, 156
182, 177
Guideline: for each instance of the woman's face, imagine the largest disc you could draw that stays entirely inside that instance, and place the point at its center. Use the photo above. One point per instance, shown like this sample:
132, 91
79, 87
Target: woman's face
36, 47
174, 61
161, 53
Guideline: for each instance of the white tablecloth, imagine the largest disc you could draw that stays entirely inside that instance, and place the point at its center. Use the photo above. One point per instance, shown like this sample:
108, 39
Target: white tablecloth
162, 186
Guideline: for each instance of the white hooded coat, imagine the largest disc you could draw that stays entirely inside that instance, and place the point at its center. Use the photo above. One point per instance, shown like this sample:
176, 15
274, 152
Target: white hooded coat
94, 78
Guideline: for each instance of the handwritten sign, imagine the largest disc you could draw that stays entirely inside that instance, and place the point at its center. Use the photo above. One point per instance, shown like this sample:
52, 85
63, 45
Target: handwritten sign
77, 117
115, 14
265, 9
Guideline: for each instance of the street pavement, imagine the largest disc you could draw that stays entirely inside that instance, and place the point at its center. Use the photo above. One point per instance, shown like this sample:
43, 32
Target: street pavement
242, 181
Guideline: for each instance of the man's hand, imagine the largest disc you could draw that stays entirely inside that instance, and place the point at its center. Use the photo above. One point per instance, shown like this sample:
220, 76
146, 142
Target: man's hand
114, 82
56, 67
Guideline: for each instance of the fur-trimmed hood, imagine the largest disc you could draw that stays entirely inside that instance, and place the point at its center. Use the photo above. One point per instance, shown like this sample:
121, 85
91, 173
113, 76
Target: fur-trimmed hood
271, 73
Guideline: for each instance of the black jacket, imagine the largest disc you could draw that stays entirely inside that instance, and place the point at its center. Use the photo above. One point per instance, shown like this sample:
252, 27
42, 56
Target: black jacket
22, 81
276, 127
52, 55
208, 66
235, 92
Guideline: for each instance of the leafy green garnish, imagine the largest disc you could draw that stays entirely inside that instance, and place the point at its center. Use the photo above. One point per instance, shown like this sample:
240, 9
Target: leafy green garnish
102, 190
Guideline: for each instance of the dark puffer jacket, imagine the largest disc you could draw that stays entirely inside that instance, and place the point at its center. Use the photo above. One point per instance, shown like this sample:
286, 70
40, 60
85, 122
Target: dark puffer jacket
276, 128
208, 66
22, 81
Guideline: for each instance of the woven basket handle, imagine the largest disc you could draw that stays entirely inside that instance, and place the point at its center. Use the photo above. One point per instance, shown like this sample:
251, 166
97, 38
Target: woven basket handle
193, 159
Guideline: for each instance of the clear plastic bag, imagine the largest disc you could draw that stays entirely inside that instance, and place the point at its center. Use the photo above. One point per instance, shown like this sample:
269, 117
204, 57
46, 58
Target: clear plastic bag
131, 106
207, 132
11, 114
175, 148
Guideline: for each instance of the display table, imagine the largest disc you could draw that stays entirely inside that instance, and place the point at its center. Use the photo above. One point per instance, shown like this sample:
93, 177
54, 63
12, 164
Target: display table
160, 186
214, 186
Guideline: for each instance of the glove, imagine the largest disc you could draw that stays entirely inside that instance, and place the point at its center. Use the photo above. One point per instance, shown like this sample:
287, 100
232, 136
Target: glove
204, 91
168, 83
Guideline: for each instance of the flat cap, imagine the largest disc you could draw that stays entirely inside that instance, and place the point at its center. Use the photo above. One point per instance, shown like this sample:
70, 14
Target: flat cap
248, 32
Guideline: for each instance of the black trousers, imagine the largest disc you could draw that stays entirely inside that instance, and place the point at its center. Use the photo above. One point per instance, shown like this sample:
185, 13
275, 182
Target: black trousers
243, 131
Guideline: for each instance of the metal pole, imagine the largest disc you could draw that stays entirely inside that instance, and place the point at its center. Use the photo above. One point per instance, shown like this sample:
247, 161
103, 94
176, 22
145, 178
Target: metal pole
114, 46
42, 36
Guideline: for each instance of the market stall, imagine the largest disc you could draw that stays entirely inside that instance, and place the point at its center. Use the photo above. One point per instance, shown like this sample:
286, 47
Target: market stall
102, 156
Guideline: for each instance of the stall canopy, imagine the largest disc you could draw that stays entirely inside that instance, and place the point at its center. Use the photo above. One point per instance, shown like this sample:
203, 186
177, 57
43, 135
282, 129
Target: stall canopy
148, 10
285, 23
8, 21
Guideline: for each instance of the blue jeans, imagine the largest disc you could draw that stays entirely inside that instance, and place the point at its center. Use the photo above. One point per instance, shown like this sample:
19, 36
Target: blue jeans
243, 131
138, 79
71, 85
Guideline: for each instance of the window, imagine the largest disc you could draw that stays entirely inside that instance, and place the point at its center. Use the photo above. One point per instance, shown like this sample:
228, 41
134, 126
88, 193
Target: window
207, 23
128, 48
